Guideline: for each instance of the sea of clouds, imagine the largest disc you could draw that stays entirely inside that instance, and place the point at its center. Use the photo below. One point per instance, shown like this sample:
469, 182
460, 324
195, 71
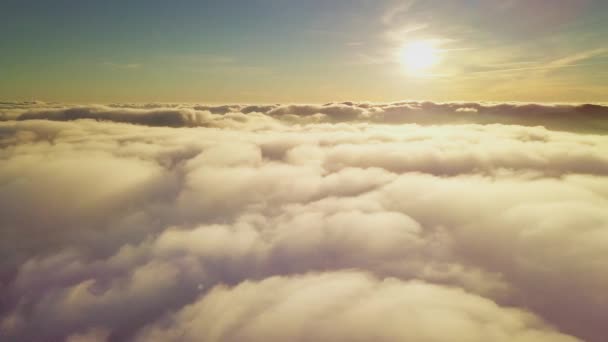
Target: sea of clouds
409, 221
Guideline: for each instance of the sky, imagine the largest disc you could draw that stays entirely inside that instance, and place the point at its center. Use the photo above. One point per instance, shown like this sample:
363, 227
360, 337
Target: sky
267, 51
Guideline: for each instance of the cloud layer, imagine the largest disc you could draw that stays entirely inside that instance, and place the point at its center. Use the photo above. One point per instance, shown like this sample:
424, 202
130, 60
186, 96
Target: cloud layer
350, 221
582, 118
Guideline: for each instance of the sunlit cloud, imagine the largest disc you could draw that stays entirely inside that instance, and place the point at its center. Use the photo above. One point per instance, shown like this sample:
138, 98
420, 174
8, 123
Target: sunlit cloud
279, 214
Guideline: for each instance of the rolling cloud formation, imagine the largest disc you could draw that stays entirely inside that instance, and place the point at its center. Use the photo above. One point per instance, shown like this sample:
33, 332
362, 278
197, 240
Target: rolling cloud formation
340, 222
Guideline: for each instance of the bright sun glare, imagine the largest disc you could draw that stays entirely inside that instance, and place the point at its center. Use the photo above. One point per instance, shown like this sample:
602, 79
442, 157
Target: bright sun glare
420, 56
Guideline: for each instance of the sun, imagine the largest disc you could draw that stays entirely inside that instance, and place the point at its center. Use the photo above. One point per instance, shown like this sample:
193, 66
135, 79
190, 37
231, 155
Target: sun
420, 56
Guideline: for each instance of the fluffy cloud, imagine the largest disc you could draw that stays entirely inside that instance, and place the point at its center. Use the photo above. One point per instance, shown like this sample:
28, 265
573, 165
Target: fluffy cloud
350, 221
346, 307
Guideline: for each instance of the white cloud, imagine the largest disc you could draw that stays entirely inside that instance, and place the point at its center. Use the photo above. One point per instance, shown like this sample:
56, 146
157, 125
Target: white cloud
148, 219
346, 306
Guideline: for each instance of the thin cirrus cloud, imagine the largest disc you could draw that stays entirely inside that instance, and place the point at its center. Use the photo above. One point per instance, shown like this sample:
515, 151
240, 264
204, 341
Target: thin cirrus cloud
352, 221
527, 50
123, 66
